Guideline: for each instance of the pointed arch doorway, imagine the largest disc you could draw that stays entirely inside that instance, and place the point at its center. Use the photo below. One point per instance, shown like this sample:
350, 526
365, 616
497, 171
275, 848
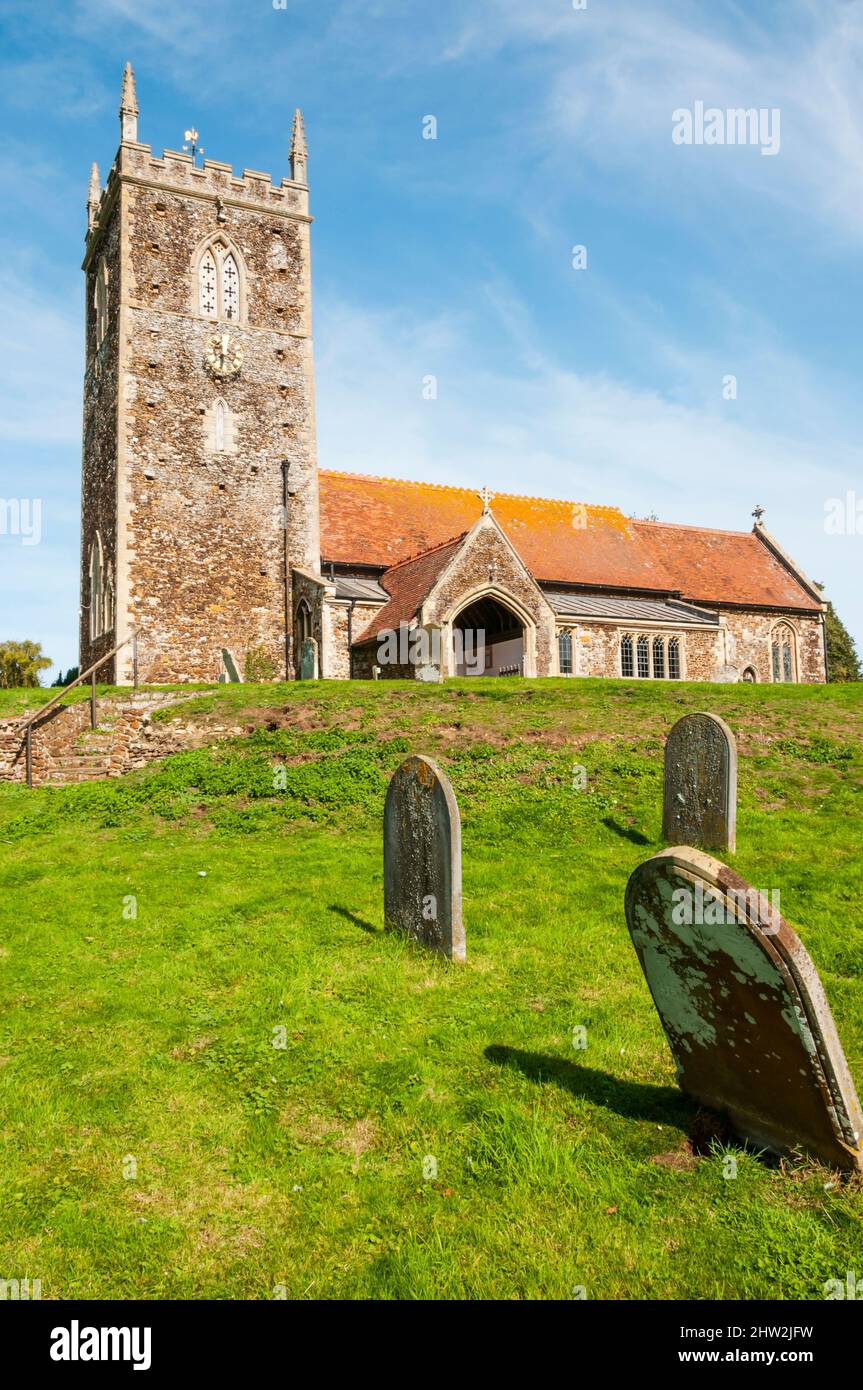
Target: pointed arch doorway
488, 639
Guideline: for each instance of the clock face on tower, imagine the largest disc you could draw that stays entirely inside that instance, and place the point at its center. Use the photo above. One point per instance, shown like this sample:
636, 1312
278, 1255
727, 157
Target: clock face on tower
224, 355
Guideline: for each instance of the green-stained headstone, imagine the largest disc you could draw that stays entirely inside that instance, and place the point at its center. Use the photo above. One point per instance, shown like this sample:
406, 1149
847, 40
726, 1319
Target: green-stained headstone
422, 858
743, 1009
231, 667
309, 660
699, 804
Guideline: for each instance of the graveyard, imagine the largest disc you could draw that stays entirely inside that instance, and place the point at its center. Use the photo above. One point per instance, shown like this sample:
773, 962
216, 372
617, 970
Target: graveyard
224, 1078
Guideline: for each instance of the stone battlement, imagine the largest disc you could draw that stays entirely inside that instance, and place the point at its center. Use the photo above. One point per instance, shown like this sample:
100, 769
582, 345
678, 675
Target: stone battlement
214, 180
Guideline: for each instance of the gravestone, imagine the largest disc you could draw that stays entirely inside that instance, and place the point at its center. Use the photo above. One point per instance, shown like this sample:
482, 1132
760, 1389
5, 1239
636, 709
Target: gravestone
309, 660
743, 1009
699, 804
234, 677
422, 858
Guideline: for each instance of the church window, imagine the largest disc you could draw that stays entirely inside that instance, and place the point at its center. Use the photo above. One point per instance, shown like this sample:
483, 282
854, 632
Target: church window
787, 672
100, 303
302, 630
230, 288
782, 653
101, 592
108, 605
645, 657
219, 282
220, 426
564, 645
658, 659
207, 282
96, 588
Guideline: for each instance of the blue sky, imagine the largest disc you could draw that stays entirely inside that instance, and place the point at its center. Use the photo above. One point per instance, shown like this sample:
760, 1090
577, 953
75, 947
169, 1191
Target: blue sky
453, 257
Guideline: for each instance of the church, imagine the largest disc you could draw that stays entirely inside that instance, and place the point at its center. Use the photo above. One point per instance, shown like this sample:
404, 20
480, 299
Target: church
210, 535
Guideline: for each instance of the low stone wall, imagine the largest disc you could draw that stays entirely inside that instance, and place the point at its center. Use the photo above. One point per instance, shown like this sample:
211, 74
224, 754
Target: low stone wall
65, 748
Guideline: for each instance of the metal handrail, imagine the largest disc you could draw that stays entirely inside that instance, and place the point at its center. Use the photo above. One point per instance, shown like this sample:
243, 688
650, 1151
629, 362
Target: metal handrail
27, 726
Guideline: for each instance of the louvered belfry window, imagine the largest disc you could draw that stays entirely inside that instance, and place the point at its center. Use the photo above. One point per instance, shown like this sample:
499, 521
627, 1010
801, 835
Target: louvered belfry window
230, 289
219, 283
207, 279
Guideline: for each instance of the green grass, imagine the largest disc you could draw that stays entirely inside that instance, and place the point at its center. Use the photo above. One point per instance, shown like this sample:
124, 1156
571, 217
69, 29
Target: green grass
149, 1037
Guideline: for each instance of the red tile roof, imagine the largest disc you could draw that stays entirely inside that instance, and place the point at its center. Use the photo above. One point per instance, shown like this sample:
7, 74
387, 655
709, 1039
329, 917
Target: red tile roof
723, 566
380, 521
407, 585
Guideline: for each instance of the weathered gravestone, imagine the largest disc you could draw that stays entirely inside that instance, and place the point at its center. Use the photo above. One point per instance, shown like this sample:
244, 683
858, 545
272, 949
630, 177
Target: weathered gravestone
309, 660
422, 858
231, 667
699, 804
743, 1009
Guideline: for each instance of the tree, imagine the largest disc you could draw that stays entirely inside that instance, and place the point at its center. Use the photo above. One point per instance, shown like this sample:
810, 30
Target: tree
71, 675
843, 661
20, 664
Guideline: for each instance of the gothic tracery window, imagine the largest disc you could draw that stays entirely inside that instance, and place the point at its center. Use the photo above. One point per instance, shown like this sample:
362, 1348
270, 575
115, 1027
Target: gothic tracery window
782, 653
219, 283
101, 592
207, 286
627, 667
230, 288
674, 659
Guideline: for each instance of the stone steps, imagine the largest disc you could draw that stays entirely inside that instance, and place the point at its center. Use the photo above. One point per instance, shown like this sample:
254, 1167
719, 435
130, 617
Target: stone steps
67, 750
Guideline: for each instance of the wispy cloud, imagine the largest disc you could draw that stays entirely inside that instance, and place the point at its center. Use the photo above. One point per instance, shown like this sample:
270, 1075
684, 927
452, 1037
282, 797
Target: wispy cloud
616, 73
542, 428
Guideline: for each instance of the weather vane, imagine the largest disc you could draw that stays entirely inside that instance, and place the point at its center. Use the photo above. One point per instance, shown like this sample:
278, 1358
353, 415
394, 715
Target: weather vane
192, 147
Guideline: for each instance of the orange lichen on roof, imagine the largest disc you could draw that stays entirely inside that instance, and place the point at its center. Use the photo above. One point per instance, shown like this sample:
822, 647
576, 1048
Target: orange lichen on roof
379, 521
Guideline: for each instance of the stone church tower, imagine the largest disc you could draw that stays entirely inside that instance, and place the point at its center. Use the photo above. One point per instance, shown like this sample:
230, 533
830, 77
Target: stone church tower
200, 484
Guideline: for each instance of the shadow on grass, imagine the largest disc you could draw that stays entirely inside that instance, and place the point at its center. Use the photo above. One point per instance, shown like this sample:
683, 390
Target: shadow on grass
632, 1099
625, 833
352, 917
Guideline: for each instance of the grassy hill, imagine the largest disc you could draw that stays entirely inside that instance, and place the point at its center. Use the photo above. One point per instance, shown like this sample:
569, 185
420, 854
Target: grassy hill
157, 931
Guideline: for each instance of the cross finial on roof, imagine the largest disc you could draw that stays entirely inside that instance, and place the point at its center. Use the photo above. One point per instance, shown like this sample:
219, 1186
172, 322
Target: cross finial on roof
758, 514
486, 496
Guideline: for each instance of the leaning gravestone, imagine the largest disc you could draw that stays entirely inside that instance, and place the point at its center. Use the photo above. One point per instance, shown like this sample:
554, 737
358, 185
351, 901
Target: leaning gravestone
231, 667
422, 858
309, 660
743, 1009
699, 804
